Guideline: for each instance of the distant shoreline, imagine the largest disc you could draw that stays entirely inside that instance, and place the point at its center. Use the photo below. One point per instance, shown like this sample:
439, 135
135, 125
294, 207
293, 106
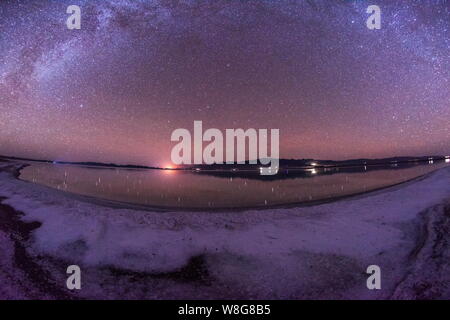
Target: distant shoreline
291, 164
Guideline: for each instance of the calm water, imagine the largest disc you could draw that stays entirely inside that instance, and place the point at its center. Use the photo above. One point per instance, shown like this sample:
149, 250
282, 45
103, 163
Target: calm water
168, 188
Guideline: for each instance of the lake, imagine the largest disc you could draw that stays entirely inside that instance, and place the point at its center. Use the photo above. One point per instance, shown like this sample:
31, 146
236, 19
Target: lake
195, 190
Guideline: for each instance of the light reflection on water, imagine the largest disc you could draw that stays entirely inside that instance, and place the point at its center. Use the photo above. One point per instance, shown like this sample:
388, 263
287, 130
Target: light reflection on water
170, 188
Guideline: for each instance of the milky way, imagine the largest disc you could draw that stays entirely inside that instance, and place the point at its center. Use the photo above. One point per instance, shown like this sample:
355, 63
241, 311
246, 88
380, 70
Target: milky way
137, 70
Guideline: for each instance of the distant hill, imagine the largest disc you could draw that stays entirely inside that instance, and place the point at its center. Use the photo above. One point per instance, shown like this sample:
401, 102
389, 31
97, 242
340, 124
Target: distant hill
93, 164
307, 163
283, 163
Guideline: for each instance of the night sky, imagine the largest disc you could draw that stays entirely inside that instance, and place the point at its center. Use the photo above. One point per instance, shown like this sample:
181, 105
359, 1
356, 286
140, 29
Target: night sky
137, 70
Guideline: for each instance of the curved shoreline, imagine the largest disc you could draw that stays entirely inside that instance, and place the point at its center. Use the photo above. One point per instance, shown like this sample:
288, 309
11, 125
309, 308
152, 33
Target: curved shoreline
165, 209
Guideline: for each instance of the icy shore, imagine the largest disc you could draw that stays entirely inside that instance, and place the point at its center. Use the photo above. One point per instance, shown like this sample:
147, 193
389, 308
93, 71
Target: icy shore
320, 251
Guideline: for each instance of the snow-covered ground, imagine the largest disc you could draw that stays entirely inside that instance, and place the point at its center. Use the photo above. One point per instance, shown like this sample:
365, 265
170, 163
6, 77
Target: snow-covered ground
319, 251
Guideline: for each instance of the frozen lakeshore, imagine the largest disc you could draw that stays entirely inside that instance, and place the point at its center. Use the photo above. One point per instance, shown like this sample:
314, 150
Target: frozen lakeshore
319, 251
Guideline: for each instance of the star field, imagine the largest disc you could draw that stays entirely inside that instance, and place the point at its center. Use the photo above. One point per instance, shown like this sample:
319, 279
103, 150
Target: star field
137, 70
